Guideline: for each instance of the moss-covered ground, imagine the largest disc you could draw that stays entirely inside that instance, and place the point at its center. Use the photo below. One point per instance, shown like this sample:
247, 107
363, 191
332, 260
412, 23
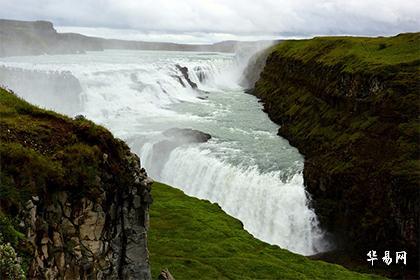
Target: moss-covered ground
195, 239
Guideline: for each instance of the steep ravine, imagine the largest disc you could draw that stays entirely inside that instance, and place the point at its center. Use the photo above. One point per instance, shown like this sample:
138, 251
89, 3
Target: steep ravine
74, 200
350, 105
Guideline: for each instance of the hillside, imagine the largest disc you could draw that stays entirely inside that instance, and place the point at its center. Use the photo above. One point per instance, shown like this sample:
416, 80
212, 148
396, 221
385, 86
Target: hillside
40, 37
351, 106
195, 239
73, 199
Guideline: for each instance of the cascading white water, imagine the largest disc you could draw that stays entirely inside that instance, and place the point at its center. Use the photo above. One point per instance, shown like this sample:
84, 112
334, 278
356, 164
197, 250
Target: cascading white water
253, 174
270, 209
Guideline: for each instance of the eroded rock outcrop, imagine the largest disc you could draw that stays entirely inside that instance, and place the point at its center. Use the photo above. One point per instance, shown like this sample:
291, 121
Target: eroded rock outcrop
103, 237
184, 73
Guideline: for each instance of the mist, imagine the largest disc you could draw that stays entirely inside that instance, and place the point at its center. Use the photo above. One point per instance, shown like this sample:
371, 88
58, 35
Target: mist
53, 90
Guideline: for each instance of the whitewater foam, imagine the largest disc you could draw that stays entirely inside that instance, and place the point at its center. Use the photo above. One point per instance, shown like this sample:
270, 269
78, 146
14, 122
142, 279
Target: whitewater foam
273, 210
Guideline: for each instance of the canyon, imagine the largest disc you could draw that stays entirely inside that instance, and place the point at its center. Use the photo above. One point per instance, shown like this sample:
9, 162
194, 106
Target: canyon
350, 105
333, 177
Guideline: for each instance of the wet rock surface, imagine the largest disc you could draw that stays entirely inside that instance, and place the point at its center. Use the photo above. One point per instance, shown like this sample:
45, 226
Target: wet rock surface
187, 135
184, 72
185, 80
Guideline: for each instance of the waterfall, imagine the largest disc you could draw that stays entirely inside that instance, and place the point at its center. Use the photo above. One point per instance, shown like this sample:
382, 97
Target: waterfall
271, 209
253, 174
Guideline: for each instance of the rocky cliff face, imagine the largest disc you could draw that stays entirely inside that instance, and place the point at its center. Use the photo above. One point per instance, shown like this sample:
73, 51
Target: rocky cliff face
75, 197
95, 238
353, 113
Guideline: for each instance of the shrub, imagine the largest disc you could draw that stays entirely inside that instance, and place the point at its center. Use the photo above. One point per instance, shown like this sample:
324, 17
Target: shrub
382, 46
10, 267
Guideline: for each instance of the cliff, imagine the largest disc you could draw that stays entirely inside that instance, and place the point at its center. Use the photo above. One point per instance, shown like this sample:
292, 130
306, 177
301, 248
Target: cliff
74, 201
40, 37
351, 106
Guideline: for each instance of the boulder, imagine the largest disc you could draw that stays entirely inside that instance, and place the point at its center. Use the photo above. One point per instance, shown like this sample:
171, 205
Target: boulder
165, 275
187, 135
184, 72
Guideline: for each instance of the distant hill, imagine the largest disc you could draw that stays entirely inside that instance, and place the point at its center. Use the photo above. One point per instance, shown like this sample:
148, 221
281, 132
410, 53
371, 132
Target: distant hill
40, 37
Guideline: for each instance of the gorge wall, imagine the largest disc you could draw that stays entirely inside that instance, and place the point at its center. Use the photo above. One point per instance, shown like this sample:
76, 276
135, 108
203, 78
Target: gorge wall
74, 200
350, 105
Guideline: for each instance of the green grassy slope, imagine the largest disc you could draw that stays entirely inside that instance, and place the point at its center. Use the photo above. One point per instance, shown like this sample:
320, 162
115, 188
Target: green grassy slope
43, 151
355, 53
195, 239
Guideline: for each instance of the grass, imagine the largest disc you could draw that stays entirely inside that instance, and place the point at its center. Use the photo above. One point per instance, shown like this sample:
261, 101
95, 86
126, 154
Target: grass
43, 151
195, 239
355, 53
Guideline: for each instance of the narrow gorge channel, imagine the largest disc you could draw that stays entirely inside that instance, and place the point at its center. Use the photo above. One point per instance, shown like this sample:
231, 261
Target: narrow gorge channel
193, 127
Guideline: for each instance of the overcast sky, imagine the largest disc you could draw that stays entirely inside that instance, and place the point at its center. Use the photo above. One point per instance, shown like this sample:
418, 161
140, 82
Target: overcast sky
213, 20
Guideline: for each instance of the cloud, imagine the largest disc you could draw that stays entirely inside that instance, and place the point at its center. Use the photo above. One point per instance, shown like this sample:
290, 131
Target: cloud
250, 18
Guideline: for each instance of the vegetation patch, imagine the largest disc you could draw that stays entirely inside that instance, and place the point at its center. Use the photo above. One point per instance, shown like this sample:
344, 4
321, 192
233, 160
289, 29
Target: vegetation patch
355, 54
195, 239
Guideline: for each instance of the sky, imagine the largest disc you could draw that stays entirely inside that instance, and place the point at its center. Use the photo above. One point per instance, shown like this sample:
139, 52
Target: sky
204, 21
